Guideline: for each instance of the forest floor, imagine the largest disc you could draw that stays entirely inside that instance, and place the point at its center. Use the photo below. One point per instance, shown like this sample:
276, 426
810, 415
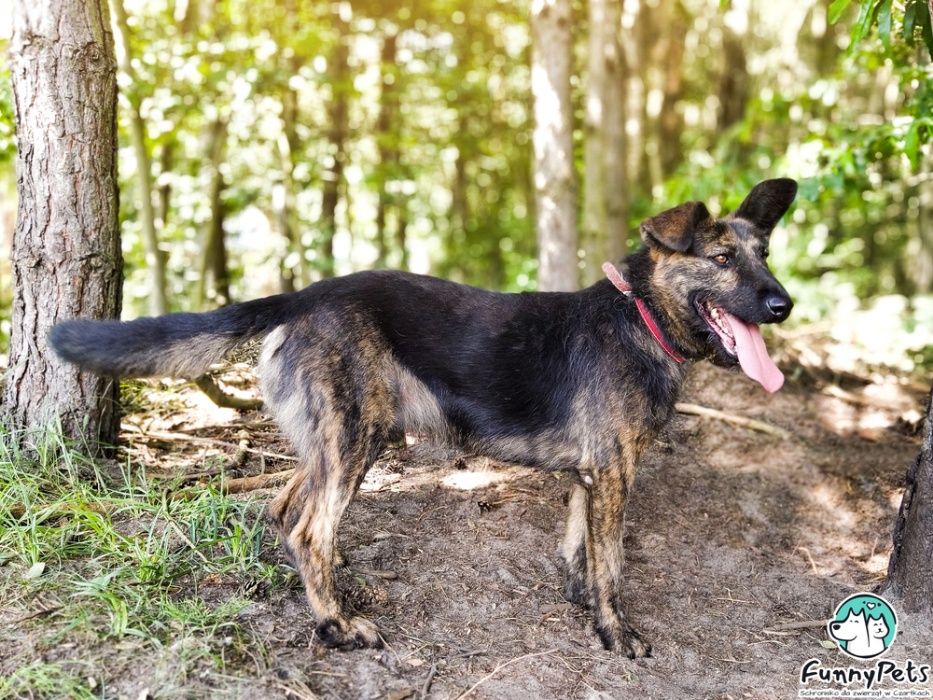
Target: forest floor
142, 579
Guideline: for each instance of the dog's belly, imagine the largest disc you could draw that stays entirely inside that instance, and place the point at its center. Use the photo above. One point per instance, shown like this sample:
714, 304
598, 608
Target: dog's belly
479, 428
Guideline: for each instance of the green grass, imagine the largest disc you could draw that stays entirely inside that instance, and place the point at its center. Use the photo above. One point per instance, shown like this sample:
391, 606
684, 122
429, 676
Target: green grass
98, 563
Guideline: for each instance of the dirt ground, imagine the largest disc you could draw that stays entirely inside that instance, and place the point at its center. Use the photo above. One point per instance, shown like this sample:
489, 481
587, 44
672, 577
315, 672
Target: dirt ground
730, 532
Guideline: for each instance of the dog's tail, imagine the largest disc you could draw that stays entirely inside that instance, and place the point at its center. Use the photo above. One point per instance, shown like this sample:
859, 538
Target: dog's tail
175, 345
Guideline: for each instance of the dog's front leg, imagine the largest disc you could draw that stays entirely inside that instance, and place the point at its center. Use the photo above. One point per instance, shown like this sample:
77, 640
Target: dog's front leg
605, 523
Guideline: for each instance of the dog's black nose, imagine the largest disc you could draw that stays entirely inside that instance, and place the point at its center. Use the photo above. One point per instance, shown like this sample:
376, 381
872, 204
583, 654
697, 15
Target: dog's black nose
779, 306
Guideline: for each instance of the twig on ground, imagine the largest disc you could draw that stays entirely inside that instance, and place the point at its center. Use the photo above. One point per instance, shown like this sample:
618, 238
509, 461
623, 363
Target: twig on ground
426, 688
501, 666
792, 626
197, 440
750, 423
259, 481
38, 613
18, 510
212, 390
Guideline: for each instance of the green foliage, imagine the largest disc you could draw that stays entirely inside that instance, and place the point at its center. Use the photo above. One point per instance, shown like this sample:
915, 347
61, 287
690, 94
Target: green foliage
844, 106
7, 143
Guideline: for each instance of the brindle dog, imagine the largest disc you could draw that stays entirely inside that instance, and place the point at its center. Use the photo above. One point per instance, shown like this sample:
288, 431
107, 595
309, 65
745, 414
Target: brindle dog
572, 381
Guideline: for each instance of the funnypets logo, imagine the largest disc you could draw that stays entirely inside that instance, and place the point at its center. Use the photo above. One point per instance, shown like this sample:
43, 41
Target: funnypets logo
864, 627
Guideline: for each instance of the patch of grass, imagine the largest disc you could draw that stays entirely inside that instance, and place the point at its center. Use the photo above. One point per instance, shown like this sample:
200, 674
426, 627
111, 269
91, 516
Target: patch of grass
45, 680
95, 557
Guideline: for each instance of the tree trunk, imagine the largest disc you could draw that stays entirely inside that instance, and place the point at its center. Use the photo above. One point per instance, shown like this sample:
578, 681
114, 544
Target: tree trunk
638, 62
166, 163
910, 571
155, 260
291, 266
333, 175
604, 154
919, 259
214, 289
617, 187
555, 182
670, 122
66, 250
387, 139
733, 82
594, 152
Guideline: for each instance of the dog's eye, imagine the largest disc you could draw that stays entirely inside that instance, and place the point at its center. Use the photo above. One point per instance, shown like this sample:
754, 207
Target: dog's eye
722, 259
765, 253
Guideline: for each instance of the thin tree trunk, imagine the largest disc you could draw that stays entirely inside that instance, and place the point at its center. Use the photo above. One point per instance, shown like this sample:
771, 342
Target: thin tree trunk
166, 163
66, 258
910, 571
617, 187
594, 153
733, 81
605, 193
670, 122
919, 262
155, 260
555, 181
401, 235
214, 289
638, 60
333, 175
387, 138
291, 266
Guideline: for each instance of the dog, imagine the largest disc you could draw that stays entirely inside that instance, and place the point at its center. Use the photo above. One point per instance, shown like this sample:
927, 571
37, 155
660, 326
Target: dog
580, 381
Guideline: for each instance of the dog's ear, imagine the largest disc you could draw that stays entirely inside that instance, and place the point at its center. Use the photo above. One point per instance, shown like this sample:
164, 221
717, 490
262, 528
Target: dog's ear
766, 203
674, 228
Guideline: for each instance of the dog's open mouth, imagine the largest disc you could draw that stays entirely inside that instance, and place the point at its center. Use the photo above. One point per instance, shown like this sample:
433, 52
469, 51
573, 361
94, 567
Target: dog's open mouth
743, 341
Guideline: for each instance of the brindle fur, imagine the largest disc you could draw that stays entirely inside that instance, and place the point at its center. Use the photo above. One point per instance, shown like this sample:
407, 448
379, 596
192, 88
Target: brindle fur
568, 381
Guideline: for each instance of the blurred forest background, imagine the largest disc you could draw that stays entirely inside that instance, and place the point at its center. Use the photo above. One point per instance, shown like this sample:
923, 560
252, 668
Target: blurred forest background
268, 143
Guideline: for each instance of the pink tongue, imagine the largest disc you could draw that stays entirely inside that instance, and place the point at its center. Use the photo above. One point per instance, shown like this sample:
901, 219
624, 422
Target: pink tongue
753, 355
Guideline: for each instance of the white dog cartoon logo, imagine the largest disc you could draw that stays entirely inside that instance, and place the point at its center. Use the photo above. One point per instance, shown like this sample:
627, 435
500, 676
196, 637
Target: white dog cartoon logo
864, 626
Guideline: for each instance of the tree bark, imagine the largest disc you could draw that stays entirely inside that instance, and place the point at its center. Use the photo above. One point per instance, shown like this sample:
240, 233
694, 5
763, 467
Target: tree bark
333, 174
604, 152
66, 250
554, 178
155, 260
910, 571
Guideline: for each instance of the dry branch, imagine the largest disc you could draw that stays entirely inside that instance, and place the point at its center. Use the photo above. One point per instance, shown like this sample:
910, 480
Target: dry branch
197, 440
693, 409
259, 481
791, 626
212, 390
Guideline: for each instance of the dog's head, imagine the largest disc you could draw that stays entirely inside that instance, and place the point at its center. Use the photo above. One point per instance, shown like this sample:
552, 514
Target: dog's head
710, 277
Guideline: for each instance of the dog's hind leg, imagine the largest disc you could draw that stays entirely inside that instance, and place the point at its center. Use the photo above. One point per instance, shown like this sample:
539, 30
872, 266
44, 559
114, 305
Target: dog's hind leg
606, 509
337, 413
307, 513
573, 550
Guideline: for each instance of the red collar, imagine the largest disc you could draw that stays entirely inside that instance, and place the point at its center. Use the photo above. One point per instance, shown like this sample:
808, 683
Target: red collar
619, 282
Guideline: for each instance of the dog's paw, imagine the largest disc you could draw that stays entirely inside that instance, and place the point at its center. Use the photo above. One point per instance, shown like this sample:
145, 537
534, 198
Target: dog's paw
625, 640
576, 591
355, 633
